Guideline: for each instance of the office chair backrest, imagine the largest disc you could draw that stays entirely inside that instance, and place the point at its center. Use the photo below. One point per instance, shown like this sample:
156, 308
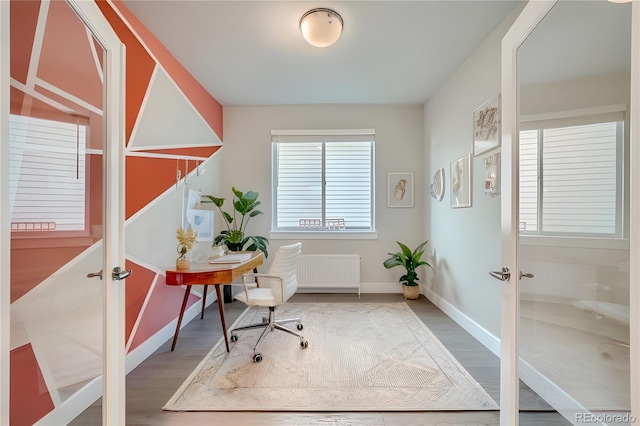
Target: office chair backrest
285, 264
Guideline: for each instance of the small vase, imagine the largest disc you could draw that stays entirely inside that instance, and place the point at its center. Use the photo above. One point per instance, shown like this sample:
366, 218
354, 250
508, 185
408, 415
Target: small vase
182, 262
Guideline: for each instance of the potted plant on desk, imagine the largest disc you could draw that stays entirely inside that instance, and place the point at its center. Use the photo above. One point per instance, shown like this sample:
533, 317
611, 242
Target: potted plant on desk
410, 260
244, 208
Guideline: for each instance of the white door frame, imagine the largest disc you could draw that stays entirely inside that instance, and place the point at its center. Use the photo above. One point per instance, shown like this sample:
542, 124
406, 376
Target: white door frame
634, 231
113, 211
531, 15
510, 294
113, 396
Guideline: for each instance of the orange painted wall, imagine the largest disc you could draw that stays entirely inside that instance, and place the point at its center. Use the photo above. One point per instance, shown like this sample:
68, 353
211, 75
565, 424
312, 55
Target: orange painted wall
146, 178
29, 397
209, 108
139, 66
23, 20
137, 288
164, 304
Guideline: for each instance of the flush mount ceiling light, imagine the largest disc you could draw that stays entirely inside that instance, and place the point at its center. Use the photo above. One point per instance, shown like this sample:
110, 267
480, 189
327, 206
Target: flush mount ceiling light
321, 27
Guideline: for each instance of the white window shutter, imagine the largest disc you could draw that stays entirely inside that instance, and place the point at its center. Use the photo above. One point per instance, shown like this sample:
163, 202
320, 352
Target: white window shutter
46, 175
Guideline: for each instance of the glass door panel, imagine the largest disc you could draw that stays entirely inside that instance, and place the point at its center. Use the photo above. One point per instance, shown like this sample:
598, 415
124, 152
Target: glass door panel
56, 207
573, 247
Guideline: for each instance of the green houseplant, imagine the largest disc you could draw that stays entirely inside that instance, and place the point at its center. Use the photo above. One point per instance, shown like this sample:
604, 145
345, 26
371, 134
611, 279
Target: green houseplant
410, 260
244, 208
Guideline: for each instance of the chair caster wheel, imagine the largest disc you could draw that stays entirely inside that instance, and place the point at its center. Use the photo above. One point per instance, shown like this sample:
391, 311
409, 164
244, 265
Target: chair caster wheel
304, 344
257, 358
299, 326
265, 320
234, 338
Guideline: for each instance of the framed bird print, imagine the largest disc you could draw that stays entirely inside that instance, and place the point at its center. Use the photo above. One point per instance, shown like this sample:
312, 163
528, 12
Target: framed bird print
399, 189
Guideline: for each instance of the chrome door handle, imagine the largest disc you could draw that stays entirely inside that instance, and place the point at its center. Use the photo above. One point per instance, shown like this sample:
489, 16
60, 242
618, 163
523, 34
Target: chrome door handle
95, 274
119, 274
528, 275
503, 275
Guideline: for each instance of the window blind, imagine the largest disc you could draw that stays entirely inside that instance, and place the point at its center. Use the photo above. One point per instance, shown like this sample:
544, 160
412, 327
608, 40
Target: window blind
577, 187
46, 174
320, 178
529, 181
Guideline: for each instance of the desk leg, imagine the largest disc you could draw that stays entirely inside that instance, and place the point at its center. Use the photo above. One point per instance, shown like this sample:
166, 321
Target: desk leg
221, 309
204, 300
184, 305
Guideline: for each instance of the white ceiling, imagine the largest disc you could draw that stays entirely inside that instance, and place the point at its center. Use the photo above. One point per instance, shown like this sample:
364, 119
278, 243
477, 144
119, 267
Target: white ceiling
252, 52
578, 39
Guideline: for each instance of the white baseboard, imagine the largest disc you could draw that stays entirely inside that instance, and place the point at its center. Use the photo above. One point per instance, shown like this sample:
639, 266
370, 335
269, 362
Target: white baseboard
480, 333
564, 403
380, 288
549, 391
73, 406
364, 288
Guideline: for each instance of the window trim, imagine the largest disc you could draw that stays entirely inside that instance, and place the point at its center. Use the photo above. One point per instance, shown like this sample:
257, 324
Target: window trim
323, 234
72, 234
605, 114
323, 136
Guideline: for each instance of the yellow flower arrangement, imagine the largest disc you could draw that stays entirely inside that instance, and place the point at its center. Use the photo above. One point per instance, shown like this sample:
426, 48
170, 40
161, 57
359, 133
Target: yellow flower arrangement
186, 240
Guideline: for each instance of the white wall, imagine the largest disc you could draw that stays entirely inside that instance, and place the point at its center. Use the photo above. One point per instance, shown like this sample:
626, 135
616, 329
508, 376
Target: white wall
154, 227
246, 164
465, 241
584, 92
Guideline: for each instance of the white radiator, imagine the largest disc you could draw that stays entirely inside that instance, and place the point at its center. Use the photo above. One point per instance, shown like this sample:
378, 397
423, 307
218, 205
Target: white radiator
319, 272
560, 282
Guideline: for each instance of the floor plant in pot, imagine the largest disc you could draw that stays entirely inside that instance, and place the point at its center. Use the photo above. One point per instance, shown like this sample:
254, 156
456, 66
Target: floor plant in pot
410, 260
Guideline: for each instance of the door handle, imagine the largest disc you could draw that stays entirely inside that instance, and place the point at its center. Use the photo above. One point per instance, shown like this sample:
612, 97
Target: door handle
503, 275
95, 274
119, 274
528, 275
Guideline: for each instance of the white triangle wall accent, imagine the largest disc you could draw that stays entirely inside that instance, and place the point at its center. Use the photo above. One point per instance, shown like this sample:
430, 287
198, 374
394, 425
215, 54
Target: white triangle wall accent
168, 120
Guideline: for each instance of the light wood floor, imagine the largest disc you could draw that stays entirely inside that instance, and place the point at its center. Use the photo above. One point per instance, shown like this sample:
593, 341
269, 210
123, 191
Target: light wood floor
154, 381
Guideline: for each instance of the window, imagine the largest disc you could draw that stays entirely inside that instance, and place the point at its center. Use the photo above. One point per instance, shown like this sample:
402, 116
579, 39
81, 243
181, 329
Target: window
46, 175
571, 180
323, 180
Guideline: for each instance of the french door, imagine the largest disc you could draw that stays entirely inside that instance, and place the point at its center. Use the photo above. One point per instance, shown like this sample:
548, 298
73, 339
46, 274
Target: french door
571, 212
63, 291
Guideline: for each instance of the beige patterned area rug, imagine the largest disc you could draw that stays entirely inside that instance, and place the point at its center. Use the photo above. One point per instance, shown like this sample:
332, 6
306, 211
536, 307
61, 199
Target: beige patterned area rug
361, 357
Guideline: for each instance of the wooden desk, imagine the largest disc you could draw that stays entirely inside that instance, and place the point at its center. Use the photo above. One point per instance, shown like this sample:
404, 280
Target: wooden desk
210, 274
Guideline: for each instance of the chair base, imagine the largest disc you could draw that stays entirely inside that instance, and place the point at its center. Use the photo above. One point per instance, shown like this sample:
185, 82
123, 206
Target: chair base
270, 324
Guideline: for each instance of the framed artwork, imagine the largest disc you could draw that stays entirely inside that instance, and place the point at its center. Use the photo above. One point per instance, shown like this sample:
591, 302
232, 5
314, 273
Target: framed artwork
201, 221
492, 175
486, 126
461, 182
399, 189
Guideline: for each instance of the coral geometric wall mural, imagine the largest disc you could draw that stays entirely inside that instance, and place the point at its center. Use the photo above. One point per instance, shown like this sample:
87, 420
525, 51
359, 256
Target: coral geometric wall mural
172, 123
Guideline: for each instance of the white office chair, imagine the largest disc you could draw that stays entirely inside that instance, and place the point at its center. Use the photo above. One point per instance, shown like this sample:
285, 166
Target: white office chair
271, 290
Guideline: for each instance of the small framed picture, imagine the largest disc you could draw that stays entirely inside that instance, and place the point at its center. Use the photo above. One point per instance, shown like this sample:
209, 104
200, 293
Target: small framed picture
399, 189
486, 126
461, 182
